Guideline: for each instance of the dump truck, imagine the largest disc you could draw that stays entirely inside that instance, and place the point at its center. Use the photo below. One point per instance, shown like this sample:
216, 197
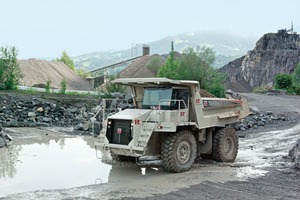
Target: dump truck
170, 124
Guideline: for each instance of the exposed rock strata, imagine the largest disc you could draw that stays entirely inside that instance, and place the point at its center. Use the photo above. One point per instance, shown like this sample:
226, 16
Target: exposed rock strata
274, 53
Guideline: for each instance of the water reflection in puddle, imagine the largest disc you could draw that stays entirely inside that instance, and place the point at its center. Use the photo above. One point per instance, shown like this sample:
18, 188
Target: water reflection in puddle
60, 163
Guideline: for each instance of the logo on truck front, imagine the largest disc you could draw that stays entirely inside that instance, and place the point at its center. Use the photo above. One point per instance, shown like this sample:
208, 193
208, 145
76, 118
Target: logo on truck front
119, 130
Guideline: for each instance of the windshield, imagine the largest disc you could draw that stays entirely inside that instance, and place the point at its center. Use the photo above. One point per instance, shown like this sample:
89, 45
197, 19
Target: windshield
152, 96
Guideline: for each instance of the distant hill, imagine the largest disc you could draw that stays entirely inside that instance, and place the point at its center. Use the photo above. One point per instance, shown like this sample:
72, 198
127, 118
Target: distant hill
228, 46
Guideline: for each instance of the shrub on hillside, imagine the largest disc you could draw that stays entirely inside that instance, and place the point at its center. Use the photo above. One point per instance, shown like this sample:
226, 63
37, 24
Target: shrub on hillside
63, 86
283, 81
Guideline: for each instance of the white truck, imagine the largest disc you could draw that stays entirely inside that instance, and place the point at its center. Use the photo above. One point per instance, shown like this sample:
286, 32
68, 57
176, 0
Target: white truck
171, 124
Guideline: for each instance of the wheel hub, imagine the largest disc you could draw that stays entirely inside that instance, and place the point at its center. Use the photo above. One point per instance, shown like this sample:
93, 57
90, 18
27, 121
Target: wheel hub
183, 152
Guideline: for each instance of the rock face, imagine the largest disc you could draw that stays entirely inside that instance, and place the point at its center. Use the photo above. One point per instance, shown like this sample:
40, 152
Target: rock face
274, 53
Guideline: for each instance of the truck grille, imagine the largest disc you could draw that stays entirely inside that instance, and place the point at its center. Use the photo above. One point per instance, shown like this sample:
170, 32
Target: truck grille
119, 132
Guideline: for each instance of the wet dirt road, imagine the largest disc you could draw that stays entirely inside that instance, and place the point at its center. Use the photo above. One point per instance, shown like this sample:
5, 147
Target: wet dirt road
259, 155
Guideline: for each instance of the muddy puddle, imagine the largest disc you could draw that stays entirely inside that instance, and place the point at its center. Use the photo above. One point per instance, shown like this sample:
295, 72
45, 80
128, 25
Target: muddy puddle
49, 159
47, 162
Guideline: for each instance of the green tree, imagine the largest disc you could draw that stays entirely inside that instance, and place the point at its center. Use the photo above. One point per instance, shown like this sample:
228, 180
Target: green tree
111, 87
195, 65
155, 64
82, 73
67, 60
48, 86
63, 86
10, 73
170, 68
206, 54
283, 81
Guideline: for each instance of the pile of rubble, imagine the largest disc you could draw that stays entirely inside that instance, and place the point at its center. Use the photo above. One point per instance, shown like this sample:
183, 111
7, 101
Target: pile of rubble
108, 107
18, 111
261, 119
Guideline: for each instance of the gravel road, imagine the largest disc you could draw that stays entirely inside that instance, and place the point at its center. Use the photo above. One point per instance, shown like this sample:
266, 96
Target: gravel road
260, 171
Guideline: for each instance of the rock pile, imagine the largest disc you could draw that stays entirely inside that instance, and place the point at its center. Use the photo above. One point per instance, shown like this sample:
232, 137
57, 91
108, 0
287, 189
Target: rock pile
36, 112
294, 154
108, 107
32, 112
260, 119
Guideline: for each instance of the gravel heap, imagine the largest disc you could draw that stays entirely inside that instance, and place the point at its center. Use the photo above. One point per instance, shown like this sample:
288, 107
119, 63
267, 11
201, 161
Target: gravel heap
37, 72
260, 119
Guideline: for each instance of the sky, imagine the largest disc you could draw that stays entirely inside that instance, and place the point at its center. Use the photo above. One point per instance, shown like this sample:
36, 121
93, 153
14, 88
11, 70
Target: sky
45, 28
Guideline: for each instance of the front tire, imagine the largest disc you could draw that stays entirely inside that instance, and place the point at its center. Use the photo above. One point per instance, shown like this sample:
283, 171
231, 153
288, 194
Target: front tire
179, 151
225, 145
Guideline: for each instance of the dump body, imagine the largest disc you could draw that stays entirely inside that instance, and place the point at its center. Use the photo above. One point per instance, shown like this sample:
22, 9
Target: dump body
164, 107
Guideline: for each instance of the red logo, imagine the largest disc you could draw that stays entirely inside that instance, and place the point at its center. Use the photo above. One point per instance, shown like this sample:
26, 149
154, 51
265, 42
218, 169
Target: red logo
182, 114
137, 122
119, 130
197, 101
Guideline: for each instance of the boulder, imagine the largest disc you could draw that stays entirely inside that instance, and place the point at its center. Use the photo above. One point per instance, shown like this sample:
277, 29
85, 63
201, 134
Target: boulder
47, 119
74, 110
31, 114
40, 109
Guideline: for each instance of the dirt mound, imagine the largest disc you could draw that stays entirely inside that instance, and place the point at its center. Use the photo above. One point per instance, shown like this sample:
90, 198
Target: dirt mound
138, 69
204, 93
240, 86
37, 72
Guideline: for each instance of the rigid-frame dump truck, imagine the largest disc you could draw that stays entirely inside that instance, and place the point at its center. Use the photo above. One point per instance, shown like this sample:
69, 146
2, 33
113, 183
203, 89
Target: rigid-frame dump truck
171, 124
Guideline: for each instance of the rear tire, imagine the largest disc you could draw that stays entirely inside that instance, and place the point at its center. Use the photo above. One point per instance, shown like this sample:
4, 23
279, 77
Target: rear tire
179, 151
225, 145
